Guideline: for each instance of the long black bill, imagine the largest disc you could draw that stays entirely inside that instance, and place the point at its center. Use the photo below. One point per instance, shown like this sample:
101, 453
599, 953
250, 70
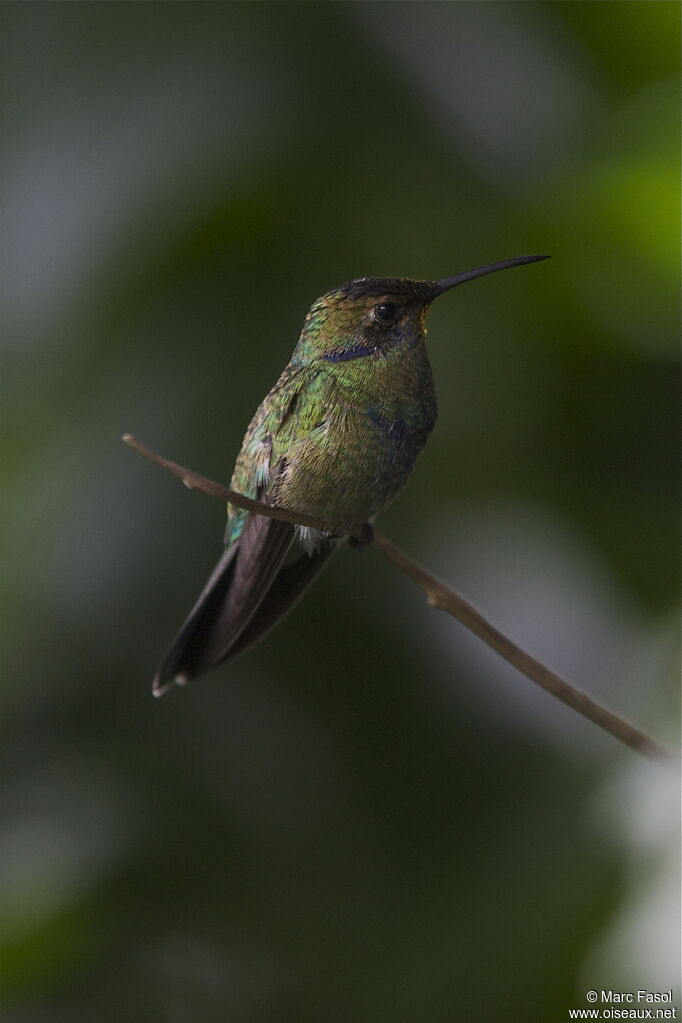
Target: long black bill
451, 282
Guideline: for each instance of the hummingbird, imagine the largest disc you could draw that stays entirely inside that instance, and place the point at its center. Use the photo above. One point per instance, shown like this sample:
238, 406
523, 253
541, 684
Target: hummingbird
336, 438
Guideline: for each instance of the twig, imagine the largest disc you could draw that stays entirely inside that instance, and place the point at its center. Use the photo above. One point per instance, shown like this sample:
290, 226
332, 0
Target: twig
442, 597
193, 481
445, 599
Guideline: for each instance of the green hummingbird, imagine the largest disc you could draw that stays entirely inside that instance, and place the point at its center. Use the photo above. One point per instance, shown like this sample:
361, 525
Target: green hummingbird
336, 438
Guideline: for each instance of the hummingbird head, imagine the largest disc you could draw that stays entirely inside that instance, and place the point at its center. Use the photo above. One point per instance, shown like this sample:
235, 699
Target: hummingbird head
367, 317
372, 316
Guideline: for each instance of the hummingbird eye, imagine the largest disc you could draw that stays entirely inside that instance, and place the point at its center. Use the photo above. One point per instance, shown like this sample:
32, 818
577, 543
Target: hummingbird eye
386, 313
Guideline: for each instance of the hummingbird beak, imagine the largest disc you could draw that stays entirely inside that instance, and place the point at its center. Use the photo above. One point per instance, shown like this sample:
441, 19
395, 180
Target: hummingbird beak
451, 282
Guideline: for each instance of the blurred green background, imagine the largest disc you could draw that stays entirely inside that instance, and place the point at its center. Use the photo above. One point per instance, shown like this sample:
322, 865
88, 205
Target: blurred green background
368, 817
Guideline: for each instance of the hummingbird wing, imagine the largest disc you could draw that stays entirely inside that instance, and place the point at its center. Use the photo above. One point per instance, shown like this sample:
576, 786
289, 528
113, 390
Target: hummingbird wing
255, 582
293, 579
262, 548
225, 606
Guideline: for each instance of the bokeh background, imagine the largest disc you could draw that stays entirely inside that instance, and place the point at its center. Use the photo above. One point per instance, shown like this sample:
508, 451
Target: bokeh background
368, 817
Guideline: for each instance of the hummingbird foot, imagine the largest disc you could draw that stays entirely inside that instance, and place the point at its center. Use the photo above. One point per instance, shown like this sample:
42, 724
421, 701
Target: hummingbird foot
362, 538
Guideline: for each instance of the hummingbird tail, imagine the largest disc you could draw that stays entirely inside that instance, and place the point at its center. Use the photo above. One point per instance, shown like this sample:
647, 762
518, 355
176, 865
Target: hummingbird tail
228, 601
179, 662
289, 585
250, 589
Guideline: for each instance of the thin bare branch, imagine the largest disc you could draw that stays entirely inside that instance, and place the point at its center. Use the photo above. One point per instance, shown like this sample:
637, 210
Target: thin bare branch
441, 596
194, 481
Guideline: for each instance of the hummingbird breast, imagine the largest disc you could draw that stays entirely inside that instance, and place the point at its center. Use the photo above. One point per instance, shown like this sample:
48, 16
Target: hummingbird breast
371, 425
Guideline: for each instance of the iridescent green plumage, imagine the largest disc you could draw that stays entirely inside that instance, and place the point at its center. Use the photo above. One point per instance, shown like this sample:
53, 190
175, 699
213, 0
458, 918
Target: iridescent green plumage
336, 438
